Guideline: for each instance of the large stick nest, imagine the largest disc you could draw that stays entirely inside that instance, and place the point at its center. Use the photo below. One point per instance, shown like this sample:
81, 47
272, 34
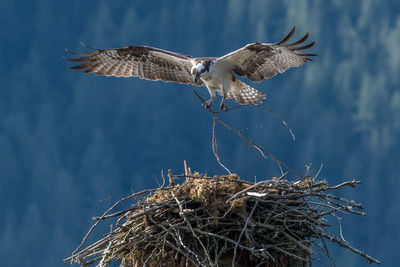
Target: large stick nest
222, 221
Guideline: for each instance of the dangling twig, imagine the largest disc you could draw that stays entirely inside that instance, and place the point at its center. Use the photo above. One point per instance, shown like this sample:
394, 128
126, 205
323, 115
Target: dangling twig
282, 120
262, 151
215, 150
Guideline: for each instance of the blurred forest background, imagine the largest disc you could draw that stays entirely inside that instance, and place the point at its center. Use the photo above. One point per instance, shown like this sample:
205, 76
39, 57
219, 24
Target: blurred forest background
71, 144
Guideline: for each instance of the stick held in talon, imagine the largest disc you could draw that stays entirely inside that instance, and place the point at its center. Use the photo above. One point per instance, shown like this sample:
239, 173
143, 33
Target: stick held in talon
223, 106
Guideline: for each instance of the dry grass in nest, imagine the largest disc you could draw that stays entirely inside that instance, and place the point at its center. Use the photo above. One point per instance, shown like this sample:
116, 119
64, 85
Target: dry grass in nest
222, 221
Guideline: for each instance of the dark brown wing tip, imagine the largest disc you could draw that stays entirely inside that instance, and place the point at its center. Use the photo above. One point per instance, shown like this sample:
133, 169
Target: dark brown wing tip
79, 54
305, 37
287, 36
307, 55
90, 70
303, 47
82, 66
81, 59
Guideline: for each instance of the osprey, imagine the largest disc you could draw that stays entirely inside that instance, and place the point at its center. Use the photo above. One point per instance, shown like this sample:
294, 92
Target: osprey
257, 61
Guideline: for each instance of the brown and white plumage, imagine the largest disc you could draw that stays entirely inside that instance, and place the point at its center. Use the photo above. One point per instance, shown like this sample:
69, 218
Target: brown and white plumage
257, 61
138, 61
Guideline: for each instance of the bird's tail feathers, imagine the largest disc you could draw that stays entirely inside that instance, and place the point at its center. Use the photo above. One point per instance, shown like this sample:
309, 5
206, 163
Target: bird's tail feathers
245, 94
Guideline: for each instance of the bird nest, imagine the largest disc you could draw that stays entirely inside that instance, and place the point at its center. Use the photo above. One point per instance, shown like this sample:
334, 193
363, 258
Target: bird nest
222, 221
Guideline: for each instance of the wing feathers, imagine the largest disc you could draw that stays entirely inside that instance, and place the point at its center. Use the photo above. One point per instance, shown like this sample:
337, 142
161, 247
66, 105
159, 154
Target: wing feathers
299, 41
287, 36
78, 54
303, 47
141, 61
83, 66
245, 94
307, 55
259, 61
93, 68
80, 59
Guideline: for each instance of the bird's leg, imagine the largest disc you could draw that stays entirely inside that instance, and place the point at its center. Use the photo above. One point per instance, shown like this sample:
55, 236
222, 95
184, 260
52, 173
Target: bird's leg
222, 106
208, 103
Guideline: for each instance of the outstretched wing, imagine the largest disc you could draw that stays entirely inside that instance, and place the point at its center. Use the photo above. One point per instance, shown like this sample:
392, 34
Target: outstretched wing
138, 61
260, 61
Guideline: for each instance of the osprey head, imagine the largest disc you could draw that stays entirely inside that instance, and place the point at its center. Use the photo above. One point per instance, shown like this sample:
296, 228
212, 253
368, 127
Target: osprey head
200, 68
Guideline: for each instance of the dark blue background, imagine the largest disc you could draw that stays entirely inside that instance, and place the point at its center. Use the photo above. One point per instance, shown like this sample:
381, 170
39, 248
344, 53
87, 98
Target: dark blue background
68, 140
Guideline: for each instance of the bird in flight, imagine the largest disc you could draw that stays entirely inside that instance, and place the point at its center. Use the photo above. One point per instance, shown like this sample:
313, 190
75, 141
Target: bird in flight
257, 61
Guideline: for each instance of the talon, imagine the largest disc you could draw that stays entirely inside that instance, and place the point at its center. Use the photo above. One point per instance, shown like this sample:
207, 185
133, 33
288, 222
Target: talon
223, 107
208, 103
